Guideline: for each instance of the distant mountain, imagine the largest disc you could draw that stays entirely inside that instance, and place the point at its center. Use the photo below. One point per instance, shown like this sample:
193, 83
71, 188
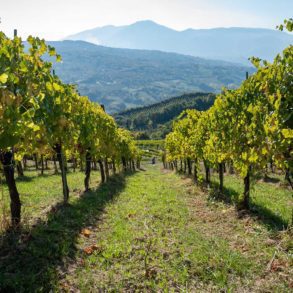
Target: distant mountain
155, 121
229, 44
123, 78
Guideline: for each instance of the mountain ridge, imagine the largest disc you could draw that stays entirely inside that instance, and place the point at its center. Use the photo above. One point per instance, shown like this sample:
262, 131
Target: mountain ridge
234, 44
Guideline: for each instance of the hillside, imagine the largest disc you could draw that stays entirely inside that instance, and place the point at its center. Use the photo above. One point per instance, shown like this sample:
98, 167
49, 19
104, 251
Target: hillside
123, 78
230, 44
155, 121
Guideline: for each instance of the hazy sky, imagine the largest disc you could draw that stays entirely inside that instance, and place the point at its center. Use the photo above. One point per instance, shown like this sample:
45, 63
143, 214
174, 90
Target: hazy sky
55, 19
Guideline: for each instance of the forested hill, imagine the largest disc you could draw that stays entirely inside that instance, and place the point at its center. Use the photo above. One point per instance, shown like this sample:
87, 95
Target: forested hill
155, 121
122, 79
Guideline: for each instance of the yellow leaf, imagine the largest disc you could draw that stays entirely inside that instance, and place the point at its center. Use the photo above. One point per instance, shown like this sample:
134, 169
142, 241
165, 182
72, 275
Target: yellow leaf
244, 156
56, 86
250, 108
58, 100
33, 126
253, 157
287, 133
3, 78
18, 157
49, 86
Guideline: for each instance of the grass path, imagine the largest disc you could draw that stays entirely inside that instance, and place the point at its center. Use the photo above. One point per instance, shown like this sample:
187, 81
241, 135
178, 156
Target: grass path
160, 233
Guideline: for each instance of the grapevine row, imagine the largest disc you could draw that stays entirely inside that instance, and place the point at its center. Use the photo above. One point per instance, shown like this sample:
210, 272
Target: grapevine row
248, 127
40, 115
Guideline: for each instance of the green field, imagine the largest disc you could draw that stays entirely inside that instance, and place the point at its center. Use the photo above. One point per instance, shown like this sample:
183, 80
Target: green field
150, 230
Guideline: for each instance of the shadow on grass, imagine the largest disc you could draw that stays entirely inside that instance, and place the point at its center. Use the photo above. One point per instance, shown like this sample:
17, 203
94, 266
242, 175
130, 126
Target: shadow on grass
268, 179
260, 213
30, 260
266, 216
229, 195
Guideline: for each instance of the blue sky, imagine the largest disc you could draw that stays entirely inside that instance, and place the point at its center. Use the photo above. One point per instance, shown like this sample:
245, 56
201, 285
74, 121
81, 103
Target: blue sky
55, 19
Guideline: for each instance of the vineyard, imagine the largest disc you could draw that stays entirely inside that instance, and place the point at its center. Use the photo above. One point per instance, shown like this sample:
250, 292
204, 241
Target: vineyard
42, 117
246, 129
86, 207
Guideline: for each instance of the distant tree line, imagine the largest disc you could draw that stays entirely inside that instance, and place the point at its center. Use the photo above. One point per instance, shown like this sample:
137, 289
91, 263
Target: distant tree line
154, 121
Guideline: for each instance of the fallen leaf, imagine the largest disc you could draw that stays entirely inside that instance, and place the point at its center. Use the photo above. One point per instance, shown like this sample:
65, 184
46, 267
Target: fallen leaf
278, 265
86, 232
88, 250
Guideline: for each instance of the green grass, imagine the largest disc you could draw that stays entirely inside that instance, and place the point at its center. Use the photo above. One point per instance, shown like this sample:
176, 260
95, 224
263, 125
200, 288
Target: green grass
149, 231
146, 243
146, 142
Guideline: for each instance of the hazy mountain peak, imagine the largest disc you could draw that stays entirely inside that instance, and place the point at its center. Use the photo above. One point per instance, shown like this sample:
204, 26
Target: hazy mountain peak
235, 44
149, 24
145, 22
